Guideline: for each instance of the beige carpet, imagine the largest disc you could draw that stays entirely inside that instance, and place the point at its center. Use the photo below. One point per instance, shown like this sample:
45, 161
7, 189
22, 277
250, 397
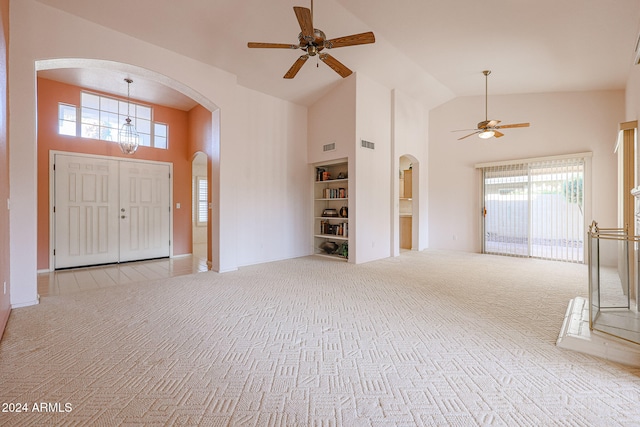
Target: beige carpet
431, 338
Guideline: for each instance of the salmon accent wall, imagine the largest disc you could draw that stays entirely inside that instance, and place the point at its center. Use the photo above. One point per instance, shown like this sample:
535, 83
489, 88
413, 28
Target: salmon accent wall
200, 139
50, 93
5, 298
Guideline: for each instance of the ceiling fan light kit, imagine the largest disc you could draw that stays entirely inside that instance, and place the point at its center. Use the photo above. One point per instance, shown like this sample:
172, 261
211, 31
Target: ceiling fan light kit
486, 134
489, 128
312, 41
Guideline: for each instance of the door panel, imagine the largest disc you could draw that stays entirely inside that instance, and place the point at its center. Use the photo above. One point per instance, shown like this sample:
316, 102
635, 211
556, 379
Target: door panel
144, 210
85, 219
109, 211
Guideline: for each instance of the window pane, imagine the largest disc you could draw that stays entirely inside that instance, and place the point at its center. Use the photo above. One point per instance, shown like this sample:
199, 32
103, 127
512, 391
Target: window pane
67, 112
160, 129
90, 101
142, 112
89, 131
90, 123
108, 104
145, 140
67, 119
102, 117
67, 128
89, 115
159, 142
143, 126
124, 108
109, 133
160, 135
109, 119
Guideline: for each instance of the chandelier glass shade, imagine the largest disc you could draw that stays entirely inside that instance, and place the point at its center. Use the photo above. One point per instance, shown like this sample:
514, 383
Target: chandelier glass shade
128, 137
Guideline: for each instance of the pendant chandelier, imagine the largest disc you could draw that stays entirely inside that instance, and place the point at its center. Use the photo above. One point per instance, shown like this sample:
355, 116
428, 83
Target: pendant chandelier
128, 137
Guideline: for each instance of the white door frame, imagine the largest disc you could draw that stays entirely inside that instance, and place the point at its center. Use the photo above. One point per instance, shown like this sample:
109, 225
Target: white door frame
52, 154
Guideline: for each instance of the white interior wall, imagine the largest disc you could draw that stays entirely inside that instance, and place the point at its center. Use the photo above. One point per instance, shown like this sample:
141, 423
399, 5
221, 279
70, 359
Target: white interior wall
561, 123
40, 32
374, 191
373, 171
632, 95
332, 119
271, 178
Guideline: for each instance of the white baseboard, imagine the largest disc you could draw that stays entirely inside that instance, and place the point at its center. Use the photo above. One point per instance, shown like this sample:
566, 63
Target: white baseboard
25, 304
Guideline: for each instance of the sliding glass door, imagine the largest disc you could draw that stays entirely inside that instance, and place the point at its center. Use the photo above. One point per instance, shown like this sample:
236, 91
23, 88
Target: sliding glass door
535, 209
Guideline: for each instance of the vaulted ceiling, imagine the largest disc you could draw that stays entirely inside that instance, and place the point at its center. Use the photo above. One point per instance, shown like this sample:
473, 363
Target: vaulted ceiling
433, 50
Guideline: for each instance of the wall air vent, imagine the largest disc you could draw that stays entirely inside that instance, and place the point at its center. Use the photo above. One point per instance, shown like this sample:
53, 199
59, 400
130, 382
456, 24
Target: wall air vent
329, 147
367, 144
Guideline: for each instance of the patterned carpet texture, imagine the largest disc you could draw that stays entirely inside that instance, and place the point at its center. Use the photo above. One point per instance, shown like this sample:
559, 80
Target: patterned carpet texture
428, 338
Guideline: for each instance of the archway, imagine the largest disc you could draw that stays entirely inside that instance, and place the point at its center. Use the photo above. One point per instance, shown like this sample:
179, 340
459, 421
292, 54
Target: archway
200, 208
213, 132
408, 211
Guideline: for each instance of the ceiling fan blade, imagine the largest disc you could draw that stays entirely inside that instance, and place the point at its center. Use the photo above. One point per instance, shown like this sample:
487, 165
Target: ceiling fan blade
352, 40
464, 130
467, 136
335, 65
516, 125
296, 67
497, 134
304, 19
492, 123
272, 45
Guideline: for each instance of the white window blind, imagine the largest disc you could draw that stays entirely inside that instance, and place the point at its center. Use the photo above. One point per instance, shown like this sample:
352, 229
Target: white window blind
202, 208
535, 209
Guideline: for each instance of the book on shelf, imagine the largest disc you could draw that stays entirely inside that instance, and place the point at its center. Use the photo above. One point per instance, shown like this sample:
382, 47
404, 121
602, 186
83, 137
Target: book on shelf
334, 193
340, 229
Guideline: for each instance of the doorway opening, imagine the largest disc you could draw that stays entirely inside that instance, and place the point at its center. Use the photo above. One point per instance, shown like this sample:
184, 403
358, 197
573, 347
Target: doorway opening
406, 203
200, 208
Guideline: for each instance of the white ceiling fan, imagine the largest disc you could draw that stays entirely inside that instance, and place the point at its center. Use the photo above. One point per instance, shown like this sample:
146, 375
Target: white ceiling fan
489, 128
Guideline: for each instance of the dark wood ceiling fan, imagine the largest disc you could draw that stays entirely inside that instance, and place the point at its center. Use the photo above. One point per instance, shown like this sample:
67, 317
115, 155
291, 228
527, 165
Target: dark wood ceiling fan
488, 128
313, 41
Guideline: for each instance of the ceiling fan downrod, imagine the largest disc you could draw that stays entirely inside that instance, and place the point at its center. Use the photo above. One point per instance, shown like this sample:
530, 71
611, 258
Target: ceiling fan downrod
486, 93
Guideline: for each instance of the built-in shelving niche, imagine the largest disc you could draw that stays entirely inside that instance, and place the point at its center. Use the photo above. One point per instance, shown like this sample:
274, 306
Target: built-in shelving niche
331, 210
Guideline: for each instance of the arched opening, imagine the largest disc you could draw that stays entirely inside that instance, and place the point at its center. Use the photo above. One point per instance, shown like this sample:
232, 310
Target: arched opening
408, 203
208, 142
200, 209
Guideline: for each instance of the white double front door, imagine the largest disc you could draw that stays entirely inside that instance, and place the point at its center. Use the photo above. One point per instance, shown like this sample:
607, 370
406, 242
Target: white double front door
110, 210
